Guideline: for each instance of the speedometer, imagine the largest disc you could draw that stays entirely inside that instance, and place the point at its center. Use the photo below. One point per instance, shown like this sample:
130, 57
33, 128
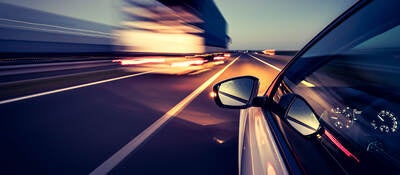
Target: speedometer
385, 122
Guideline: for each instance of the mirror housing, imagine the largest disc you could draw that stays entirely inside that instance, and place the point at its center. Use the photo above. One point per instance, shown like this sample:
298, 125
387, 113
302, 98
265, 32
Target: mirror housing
236, 93
299, 114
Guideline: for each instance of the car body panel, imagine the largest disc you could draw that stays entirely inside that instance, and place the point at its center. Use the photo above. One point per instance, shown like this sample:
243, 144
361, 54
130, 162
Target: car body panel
258, 152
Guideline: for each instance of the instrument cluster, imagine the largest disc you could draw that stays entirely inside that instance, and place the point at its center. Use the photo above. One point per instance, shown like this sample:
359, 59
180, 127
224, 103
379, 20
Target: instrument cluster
381, 120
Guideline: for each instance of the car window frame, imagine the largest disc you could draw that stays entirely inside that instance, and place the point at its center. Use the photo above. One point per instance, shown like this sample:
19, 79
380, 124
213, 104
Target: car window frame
335, 23
285, 149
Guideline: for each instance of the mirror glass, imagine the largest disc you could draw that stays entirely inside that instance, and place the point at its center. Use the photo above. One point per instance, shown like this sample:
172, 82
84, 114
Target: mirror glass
236, 92
302, 117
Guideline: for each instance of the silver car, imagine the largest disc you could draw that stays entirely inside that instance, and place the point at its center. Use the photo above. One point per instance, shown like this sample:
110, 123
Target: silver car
334, 109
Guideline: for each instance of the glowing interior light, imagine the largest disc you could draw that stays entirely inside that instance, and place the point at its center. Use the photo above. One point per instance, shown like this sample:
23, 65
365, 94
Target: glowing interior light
340, 146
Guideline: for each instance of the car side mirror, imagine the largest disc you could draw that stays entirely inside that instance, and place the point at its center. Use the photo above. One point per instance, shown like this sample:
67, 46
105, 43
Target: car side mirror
236, 93
299, 114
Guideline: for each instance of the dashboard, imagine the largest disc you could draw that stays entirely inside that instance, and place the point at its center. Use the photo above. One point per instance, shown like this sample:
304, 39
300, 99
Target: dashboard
369, 123
381, 120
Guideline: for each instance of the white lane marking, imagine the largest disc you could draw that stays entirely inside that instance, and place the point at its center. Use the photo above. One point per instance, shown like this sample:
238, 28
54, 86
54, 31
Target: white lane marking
304, 82
121, 154
59, 76
70, 88
268, 64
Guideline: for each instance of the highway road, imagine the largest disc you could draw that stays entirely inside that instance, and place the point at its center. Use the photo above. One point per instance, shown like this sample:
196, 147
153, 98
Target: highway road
121, 120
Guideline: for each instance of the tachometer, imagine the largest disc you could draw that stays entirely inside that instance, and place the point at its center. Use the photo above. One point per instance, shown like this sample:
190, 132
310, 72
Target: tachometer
385, 122
344, 117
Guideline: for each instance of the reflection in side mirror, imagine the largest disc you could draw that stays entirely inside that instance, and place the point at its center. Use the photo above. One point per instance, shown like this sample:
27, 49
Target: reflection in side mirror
237, 93
300, 115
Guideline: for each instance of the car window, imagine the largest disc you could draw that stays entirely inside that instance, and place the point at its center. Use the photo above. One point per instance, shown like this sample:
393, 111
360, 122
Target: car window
386, 40
350, 78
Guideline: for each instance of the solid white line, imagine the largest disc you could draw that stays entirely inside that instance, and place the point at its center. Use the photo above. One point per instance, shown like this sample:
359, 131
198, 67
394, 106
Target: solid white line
268, 64
70, 88
59, 76
304, 82
121, 154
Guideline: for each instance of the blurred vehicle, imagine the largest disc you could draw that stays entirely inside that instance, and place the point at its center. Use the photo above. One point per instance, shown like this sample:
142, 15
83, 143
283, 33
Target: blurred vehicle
269, 52
334, 109
212, 56
219, 56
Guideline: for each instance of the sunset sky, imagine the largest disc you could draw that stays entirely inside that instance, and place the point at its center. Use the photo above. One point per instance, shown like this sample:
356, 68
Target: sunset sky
278, 24
252, 24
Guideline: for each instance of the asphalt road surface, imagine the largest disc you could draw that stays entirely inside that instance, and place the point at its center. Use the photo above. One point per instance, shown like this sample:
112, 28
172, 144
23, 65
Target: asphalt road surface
133, 123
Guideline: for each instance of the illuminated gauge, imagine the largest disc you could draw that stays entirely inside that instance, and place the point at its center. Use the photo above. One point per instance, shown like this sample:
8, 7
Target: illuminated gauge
386, 122
344, 117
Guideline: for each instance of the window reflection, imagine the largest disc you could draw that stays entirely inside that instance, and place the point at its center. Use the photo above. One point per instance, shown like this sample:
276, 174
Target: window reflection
236, 92
351, 81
